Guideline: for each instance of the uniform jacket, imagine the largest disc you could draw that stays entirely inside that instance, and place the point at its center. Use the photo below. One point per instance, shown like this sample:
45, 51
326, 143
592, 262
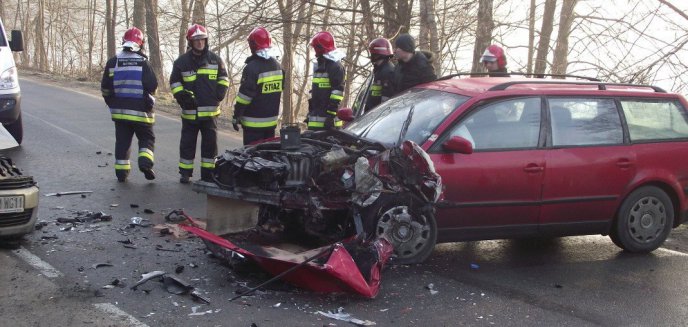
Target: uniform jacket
326, 93
205, 77
128, 85
257, 103
382, 87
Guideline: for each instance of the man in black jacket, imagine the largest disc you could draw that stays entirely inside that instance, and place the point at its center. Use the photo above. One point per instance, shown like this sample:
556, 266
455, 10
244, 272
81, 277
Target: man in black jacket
127, 86
413, 67
199, 83
256, 107
382, 86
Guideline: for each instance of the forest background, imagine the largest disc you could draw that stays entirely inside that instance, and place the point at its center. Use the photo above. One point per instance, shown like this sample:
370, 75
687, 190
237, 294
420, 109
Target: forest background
642, 41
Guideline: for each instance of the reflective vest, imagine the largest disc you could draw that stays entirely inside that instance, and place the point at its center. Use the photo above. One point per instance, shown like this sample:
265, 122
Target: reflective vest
257, 103
205, 77
327, 93
128, 82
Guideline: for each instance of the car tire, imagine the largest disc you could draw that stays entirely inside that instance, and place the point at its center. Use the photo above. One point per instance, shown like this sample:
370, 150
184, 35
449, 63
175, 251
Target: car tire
410, 229
16, 129
644, 220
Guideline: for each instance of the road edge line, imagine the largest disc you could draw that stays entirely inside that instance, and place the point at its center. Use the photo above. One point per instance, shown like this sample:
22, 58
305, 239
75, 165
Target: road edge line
113, 310
678, 253
34, 261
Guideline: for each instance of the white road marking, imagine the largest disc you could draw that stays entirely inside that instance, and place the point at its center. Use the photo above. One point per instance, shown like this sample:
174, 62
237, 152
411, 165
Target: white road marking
673, 252
117, 313
36, 262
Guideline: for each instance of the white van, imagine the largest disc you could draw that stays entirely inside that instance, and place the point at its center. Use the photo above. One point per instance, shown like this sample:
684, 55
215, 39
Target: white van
10, 95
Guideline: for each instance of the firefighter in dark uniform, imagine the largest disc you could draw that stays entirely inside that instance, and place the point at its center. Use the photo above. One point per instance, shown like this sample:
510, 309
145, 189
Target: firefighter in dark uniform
494, 60
256, 107
382, 86
199, 83
328, 84
128, 85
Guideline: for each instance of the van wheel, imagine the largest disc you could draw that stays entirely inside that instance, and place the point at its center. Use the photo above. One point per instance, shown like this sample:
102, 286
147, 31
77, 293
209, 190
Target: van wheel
16, 129
411, 230
644, 220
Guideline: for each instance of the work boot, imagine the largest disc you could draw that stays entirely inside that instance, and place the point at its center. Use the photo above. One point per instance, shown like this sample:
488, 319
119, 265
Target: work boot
122, 175
184, 179
121, 179
149, 173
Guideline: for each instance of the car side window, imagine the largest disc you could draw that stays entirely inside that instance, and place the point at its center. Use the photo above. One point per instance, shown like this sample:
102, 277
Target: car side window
655, 119
509, 124
580, 122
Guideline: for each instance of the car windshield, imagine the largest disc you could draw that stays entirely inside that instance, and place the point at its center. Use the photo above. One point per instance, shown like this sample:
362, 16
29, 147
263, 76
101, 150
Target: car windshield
416, 113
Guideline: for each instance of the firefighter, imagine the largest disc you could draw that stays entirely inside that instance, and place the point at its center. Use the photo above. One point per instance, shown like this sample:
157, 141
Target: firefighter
257, 104
413, 67
128, 85
328, 84
494, 60
199, 83
382, 86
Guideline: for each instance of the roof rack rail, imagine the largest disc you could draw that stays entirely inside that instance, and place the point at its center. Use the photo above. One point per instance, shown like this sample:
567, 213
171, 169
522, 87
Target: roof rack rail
532, 75
600, 85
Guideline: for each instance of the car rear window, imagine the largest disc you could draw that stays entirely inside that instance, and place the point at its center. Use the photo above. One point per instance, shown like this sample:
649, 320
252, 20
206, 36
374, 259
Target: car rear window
655, 120
424, 109
580, 122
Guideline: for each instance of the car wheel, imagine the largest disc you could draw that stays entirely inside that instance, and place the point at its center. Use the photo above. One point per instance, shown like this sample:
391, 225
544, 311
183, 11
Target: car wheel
411, 230
644, 220
16, 129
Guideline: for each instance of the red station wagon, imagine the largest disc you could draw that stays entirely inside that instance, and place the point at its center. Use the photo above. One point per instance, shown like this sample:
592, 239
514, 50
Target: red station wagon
522, 157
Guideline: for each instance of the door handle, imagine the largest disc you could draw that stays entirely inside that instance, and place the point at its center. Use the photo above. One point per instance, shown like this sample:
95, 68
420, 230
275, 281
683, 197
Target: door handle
533, 168
624, 163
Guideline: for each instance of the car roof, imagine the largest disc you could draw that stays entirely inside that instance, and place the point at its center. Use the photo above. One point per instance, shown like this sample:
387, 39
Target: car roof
475, 86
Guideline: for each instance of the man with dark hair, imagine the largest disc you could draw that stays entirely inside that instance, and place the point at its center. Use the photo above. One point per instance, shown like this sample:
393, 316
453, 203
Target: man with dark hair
414, 67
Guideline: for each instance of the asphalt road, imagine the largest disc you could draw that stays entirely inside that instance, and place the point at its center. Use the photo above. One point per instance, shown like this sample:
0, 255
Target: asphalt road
574, 281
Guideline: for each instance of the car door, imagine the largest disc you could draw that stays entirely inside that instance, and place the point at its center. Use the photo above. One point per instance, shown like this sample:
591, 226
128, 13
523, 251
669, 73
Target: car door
588, 165
495, 191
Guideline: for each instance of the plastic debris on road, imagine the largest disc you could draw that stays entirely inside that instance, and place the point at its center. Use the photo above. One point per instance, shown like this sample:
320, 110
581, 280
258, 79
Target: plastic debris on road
342, 316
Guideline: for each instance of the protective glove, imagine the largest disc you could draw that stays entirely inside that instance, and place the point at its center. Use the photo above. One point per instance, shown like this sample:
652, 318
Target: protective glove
329, 123
235, 123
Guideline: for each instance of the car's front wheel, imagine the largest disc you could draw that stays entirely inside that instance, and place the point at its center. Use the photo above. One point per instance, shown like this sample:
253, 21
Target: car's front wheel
411, 230
644, 220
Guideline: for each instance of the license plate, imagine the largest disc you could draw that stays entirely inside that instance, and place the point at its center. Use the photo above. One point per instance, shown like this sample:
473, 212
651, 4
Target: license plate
11, 204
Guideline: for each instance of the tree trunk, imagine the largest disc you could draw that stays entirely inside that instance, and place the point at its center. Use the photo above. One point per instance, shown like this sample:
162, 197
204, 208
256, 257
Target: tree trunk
352, 54
531, 37
561, 51
154, 41
301, 94
110, 28
199, 12
184, 24
285, 8
397, 17
545, 34
483, 33
368, 20
41, 56
139, 15
429, 38
91, 34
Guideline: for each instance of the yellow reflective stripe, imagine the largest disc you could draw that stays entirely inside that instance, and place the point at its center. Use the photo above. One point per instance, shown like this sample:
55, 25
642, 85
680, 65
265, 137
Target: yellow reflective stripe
189, 117
185, 165
147, 155
148, 120
177, 89
123, 167
209, 113
316, 124
271, 79
206, 165
321, 79
259, 124
223, 82
242, 100
376, 87
338, 123
333, 113
206, 71
189, 78
336, 97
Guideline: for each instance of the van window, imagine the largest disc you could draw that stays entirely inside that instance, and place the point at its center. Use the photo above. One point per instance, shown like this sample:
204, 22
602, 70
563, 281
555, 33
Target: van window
655, 120
504, 125
578, 122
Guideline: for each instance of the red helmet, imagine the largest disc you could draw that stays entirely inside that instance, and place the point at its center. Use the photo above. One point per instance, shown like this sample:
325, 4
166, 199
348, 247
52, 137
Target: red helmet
494, 53
323, 42
380, 47
133, 38
259, 39
196, 32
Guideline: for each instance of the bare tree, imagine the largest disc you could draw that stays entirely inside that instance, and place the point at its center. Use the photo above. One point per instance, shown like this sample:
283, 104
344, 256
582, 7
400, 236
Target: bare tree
531, 37
483, 33
561, 51
139, 15
154, 41
91, 33
545, 34
41, 56
184, 24
428, 37
199, 12
110, 18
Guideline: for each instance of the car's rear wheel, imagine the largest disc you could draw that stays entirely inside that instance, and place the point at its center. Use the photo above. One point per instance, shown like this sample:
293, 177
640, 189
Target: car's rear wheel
644, 220
16, 129
411, 230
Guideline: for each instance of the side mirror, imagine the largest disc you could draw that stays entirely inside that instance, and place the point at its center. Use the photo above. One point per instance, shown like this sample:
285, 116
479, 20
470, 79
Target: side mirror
345, 114
458, 144
17, 43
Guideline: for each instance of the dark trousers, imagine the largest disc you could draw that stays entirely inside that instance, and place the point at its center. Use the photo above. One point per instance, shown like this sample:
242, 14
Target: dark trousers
124, 132
256, 134
187, 146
